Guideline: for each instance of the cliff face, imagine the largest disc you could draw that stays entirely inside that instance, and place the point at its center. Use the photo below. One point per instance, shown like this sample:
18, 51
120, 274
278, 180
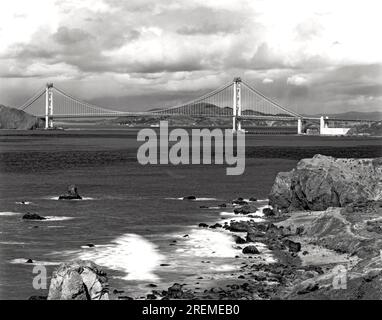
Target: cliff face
322, 182
11, 118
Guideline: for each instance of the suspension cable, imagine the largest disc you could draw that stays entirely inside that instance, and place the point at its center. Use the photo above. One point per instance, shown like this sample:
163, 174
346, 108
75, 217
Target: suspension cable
272, 102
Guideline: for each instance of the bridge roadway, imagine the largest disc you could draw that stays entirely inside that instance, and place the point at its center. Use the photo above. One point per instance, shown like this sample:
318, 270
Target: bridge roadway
157, 114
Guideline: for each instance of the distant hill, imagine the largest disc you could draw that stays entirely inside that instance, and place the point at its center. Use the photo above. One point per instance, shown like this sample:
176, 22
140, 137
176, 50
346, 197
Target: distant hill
205, 108
11, 118
354, 115
373, 129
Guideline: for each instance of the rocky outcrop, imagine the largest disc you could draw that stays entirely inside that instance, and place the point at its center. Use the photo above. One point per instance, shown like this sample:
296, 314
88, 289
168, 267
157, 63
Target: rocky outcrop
71, 194
33, 216
11, 118
322, 182
347, 231
79, 280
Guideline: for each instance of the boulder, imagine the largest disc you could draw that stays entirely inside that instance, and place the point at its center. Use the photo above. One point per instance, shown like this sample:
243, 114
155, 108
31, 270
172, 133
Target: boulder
238, 226
175, 291
78, 280
321, 182
254, 235
239, 202
238, 239
293, 246
33, 216
245, 209
203, 225
241, 210
268, 212
71, 194
189, 198
251, 250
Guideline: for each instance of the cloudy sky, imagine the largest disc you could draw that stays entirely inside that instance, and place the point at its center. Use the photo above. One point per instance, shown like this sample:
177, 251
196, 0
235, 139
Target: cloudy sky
312, 56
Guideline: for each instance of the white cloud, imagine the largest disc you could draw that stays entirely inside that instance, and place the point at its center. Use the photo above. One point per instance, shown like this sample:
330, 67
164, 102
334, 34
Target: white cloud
268, 80
297, 80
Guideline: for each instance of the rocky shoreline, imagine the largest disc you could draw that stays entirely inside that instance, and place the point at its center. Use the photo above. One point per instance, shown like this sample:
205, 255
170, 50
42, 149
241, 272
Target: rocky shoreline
323, 229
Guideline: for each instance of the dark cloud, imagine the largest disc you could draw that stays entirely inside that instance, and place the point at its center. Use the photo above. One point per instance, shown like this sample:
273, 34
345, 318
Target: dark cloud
66, 36
149, 53
264, 58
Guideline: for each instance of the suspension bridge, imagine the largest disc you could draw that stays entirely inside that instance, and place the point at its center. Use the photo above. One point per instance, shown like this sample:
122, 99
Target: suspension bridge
236, 99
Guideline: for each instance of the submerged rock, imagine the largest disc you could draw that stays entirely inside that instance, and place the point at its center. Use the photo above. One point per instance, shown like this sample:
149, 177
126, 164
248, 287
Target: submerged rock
321, 182
71, 194
33, 216
79, 280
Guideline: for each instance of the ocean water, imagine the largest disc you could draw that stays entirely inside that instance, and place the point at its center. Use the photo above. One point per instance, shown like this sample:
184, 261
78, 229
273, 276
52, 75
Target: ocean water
141, 230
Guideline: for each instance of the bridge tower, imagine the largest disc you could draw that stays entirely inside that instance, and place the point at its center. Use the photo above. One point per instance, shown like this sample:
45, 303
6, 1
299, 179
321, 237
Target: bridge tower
299, 126
323, 124
236, 119
49, 106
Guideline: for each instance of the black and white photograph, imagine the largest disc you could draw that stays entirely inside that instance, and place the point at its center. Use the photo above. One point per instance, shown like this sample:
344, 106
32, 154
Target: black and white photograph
201, 152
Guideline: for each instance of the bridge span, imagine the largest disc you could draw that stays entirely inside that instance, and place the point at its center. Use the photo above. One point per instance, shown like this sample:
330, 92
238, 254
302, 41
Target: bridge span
236, 99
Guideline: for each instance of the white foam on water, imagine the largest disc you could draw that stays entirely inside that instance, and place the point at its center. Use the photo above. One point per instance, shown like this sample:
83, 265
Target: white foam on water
12, 242
9, 213
232, 214
130, 253
266, 254
34, 263
224, 268
226, 213
57, 198
208, 243
95, 246
56, 218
